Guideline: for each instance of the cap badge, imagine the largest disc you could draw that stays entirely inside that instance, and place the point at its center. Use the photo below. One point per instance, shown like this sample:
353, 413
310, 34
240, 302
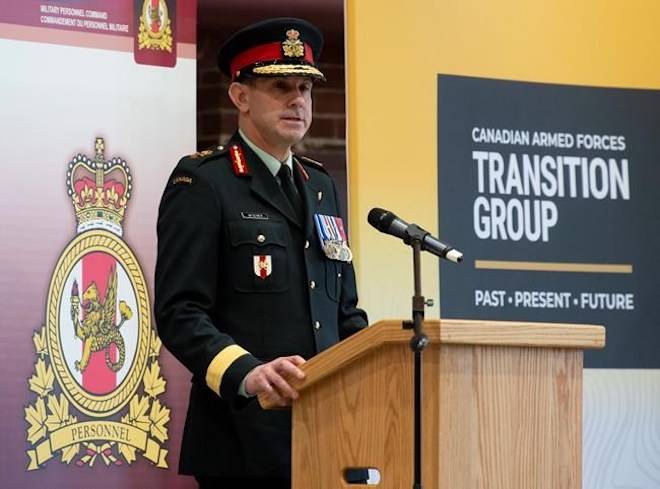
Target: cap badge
293, 47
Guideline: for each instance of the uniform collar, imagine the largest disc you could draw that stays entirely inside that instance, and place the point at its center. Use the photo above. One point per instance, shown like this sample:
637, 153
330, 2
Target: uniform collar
272, 163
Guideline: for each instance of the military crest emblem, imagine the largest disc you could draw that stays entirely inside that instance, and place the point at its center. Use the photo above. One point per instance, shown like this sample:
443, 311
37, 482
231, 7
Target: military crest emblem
97, 377
155, 26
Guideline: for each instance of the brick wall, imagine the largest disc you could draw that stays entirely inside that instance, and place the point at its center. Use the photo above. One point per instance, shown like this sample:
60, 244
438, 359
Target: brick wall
325, 141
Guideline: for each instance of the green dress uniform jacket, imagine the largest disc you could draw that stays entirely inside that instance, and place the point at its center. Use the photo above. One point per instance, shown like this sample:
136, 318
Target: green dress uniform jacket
239, 282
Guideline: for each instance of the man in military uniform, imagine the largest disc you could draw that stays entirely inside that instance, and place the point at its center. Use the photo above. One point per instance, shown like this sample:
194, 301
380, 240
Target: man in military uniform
254, 274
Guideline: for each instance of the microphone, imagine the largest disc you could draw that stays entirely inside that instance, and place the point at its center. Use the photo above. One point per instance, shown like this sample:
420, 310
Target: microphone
388, 223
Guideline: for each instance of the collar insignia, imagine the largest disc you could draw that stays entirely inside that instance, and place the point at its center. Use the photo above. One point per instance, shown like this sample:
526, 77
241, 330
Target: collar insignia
302, 170
238, 160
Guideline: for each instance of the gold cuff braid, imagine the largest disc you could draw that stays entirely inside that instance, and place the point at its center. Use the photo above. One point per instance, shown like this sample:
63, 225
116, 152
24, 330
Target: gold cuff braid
219, 365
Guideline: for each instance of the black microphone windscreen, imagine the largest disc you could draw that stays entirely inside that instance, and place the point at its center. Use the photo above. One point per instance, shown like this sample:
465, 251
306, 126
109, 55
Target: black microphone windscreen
386, 222
375, 216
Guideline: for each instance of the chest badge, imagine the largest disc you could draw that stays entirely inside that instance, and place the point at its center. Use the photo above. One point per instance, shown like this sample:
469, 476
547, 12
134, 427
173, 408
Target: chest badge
263, 266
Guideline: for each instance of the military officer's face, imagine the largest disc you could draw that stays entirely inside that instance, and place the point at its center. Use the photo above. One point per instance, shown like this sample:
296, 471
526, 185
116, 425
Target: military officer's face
279, 108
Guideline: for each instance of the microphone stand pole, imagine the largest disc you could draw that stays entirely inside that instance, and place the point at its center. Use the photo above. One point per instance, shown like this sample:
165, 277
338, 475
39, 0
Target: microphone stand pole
418, 342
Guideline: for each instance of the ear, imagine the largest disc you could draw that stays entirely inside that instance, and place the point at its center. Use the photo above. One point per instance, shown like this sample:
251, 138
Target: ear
239, 95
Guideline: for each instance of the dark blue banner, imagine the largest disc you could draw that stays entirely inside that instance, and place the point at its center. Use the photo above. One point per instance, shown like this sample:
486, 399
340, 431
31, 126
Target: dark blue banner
552, 192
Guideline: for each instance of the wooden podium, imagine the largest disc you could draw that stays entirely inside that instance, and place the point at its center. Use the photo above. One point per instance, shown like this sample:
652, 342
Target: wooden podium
501, 407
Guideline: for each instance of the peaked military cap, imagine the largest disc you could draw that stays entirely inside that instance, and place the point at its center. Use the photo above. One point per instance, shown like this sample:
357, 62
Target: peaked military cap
275, 47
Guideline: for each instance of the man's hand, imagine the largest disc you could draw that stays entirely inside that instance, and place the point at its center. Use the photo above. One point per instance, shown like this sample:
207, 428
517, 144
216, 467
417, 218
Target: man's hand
273, 379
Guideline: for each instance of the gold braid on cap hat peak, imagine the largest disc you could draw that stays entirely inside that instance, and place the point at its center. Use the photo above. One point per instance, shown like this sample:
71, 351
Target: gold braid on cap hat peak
302, 70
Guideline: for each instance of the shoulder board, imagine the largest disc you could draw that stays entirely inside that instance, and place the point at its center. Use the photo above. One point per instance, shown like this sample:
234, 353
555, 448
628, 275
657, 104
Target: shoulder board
313, 163
201, 157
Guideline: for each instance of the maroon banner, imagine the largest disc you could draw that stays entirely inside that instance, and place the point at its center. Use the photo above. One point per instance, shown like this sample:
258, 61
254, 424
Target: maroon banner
156, 27
90, 396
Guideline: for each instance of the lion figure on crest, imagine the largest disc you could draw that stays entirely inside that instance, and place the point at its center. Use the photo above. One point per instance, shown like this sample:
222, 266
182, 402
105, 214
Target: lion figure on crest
97, 330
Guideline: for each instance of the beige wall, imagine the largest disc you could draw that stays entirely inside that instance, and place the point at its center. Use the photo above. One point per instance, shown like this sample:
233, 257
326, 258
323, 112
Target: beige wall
396, 49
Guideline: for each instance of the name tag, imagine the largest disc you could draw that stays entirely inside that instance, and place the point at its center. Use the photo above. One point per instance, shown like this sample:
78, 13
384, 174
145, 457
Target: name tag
259, 216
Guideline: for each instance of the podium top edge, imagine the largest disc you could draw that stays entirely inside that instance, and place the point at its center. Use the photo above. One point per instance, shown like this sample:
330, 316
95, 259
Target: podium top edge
498, 333
517, 333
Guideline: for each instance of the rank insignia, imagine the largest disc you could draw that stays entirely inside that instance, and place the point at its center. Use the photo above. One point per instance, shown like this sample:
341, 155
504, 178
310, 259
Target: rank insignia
333, 237
201, 154
263, 266
238, 160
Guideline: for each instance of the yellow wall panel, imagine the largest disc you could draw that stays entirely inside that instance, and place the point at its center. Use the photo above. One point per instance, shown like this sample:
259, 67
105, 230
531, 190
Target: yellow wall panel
395, 50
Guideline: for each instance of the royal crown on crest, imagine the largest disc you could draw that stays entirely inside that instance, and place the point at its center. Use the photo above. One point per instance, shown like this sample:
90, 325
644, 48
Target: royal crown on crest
99, 190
